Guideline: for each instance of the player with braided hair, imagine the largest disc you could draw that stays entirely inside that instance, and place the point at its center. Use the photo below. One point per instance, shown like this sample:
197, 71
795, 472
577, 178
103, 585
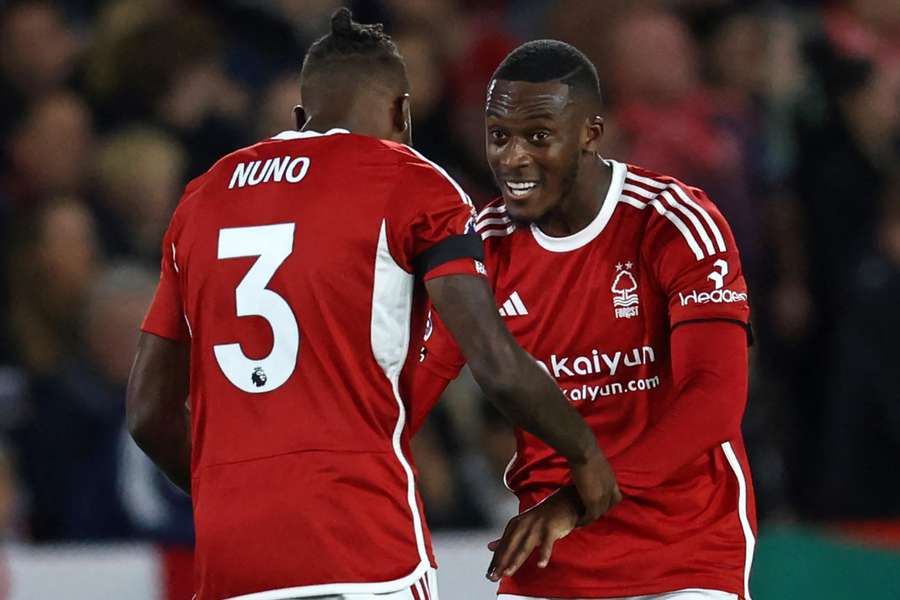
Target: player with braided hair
293, 278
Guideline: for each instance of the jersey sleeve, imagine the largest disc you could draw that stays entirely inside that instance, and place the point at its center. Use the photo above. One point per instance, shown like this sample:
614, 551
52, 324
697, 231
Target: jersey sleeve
695, 260
439, 354
165, 317
709, 370
430, 224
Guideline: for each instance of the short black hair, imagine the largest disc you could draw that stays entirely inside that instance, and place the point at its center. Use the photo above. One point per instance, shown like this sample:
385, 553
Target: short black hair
551, 60
354, 45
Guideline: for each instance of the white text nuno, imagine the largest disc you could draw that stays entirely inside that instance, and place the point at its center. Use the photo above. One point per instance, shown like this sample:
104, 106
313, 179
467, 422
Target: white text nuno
290, 169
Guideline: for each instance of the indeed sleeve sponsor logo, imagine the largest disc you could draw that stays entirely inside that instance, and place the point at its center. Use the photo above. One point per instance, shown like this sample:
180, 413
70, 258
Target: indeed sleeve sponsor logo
715, 296
291, 169
718, 295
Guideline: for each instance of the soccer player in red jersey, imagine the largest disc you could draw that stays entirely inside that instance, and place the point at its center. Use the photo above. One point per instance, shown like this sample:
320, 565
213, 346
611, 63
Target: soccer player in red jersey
626, 286
283, 313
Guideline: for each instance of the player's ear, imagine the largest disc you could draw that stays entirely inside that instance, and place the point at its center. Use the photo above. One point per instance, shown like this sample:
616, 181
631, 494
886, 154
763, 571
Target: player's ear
592, 134
402, 118
299, 117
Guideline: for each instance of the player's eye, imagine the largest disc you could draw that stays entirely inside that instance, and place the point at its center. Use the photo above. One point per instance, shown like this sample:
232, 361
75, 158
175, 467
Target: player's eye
497, 135
539, 137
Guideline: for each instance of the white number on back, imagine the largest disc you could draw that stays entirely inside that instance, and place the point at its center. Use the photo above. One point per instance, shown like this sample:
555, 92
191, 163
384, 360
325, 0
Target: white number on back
272, 244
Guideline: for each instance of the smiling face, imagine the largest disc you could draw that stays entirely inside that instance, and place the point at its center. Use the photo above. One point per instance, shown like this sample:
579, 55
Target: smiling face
536, 136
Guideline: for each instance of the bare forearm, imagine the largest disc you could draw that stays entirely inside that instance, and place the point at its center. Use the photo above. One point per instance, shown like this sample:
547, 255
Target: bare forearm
158, 419
168, 445
510, 378
529, 398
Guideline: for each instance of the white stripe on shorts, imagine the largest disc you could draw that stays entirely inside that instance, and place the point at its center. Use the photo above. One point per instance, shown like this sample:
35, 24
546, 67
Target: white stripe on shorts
687, 594
424, 588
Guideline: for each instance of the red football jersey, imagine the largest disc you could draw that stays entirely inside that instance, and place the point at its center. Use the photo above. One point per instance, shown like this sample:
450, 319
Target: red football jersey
290, 266
597, 309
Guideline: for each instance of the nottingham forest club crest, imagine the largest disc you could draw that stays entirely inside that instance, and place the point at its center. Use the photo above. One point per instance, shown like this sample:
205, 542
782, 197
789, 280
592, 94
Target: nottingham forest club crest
625, 300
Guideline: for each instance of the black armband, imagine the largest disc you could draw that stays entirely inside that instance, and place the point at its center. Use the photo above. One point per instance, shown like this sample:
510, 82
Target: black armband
454, 247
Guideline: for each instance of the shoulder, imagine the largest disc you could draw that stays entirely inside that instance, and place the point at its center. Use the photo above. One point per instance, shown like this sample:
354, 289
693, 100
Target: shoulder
418, 170
492, 222
676, 215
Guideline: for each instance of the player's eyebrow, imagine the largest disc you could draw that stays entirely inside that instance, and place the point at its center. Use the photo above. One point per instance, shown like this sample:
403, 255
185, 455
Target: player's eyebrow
546, 106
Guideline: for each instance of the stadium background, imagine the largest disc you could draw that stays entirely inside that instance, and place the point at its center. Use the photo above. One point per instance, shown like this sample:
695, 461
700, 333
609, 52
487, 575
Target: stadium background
787, 113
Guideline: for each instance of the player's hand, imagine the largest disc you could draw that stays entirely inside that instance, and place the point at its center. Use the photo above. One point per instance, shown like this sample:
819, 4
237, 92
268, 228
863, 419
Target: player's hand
597, 487
538, 527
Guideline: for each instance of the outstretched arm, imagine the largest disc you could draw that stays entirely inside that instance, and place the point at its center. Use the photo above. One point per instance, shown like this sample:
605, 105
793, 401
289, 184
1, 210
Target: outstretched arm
519, 388
158, 419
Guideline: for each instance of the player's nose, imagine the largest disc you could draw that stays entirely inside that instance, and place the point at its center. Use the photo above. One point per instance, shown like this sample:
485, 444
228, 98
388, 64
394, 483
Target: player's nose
514, 156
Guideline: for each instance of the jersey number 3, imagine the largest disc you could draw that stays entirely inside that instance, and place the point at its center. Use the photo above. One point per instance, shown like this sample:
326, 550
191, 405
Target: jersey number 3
272, 244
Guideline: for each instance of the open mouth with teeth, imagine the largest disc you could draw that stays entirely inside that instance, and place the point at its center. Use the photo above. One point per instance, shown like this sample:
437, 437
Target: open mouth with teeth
520, 189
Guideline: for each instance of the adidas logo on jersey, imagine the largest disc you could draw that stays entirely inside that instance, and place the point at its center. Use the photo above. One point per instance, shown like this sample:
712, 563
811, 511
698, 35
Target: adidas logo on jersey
513, 307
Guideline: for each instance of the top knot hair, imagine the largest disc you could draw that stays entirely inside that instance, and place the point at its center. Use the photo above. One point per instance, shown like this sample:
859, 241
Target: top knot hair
349, 37
342, 22
352, 49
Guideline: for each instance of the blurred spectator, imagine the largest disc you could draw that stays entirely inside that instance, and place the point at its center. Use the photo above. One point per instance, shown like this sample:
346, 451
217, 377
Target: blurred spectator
673, 123
276, 105
50, 267
426, 65
795, 141
49, 150
115, 23
862, 439
8, 495
448, 503
155, 507
868, 29
484, 465
461, 454
139, 179
846, 148
38, 53
845, 152
71, 446
170, 69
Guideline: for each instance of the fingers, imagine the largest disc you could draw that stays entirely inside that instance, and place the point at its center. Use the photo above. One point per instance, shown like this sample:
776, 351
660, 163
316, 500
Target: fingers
546, 551
511, 550
616, 496
538, 527
499, 548
517, 554
597, 488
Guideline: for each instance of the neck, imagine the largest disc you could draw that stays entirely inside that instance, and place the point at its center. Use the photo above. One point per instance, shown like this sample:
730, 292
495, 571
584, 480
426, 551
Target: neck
582, 203
324, 124
355, 121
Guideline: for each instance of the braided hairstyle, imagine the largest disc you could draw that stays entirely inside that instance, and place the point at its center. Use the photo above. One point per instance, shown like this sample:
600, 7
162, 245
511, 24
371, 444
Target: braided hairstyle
365, 49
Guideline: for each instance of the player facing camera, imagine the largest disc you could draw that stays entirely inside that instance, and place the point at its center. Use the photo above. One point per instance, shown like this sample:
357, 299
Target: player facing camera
543, 132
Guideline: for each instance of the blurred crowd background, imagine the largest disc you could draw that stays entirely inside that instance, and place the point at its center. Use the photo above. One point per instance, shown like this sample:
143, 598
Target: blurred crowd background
787, 113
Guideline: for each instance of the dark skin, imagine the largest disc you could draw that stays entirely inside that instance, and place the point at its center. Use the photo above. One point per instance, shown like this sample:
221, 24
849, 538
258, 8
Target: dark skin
548, 134
509, 376
156, 408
